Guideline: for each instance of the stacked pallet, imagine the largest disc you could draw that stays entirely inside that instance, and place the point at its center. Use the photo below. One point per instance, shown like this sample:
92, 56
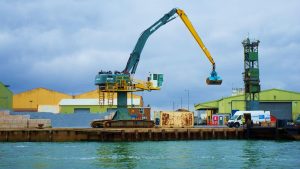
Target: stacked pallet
8, 121
268, 124
19, 121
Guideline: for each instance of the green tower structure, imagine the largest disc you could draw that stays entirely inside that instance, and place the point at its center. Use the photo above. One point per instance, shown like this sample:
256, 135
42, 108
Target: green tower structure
251, 74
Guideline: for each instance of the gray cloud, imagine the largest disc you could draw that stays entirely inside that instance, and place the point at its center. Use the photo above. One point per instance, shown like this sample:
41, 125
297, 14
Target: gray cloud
63, 44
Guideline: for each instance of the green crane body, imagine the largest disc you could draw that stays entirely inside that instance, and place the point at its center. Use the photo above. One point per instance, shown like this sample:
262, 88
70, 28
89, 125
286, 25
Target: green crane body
104, 78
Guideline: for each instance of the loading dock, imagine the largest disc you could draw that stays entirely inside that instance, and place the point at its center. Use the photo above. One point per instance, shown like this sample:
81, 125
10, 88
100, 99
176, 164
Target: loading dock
281, 110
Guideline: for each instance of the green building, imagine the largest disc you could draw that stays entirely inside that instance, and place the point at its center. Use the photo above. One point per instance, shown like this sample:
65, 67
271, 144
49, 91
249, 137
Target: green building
284, 105
6, 97
90, 105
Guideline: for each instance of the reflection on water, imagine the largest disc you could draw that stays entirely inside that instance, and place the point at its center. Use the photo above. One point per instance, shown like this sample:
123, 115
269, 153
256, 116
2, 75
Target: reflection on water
118, 156
161, 154
251, 154
257, 154
40, 165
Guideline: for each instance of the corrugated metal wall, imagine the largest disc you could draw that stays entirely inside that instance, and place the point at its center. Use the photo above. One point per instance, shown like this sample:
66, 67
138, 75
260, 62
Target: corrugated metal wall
281, 110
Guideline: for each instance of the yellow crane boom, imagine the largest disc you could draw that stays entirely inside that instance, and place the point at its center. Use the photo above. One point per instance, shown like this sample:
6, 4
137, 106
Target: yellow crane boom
190, 27
213, 79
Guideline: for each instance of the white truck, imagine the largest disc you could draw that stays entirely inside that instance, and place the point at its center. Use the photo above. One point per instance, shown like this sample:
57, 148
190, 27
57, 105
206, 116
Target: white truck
255, 116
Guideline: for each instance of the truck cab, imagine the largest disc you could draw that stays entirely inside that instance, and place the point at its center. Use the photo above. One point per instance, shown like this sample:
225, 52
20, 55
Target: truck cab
235, 121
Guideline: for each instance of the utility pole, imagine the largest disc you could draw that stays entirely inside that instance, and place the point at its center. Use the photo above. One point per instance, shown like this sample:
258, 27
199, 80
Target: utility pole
188, 98
180, 102
173, 106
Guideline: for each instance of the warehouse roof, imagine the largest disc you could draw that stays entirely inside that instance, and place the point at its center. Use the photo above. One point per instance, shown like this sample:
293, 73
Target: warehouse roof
5, 86
40, 88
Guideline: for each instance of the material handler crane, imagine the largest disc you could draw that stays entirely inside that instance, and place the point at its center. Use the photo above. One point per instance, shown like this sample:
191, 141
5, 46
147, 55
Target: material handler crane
123, 82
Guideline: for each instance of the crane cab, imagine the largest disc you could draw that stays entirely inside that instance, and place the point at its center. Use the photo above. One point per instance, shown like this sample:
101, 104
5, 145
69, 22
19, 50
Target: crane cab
109, 79
156, 79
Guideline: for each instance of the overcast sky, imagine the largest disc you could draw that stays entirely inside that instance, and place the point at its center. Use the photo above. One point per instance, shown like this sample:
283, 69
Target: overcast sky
62, 44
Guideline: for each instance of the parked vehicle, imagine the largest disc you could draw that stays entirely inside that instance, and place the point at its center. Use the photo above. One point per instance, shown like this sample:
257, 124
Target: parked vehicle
297, 121
199, 121
255, 117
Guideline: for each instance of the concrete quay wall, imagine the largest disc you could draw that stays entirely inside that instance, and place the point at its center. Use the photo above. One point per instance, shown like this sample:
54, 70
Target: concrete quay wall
141, 134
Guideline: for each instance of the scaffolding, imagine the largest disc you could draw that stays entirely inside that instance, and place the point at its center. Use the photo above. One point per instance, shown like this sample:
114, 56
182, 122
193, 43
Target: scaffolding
251, 74
101, 98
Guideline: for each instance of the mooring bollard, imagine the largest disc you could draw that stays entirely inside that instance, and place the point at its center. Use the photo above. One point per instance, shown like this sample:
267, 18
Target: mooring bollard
6, 135
136, 134
50, 135
122, 135
163, 134
201, 134
28, 135
225, 134
176, 134
150, 134
188, 134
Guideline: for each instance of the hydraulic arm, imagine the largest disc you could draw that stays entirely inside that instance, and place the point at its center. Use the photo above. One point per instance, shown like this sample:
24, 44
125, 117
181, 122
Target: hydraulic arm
135, 55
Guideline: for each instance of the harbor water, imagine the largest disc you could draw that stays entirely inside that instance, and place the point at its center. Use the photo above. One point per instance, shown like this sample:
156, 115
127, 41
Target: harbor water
161, 154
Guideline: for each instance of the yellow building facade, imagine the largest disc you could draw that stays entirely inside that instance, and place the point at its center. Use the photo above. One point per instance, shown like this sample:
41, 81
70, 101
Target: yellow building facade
45, 100
32, 99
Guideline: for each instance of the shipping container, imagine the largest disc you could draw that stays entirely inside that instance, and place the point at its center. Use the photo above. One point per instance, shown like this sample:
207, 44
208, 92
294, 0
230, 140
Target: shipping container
174, 119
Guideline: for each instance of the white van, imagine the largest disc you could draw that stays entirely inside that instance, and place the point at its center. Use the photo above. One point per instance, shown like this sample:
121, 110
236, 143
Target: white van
255, 116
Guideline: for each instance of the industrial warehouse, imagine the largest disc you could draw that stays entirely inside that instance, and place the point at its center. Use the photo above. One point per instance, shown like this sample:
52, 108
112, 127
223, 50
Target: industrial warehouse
283, 104
45, 100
